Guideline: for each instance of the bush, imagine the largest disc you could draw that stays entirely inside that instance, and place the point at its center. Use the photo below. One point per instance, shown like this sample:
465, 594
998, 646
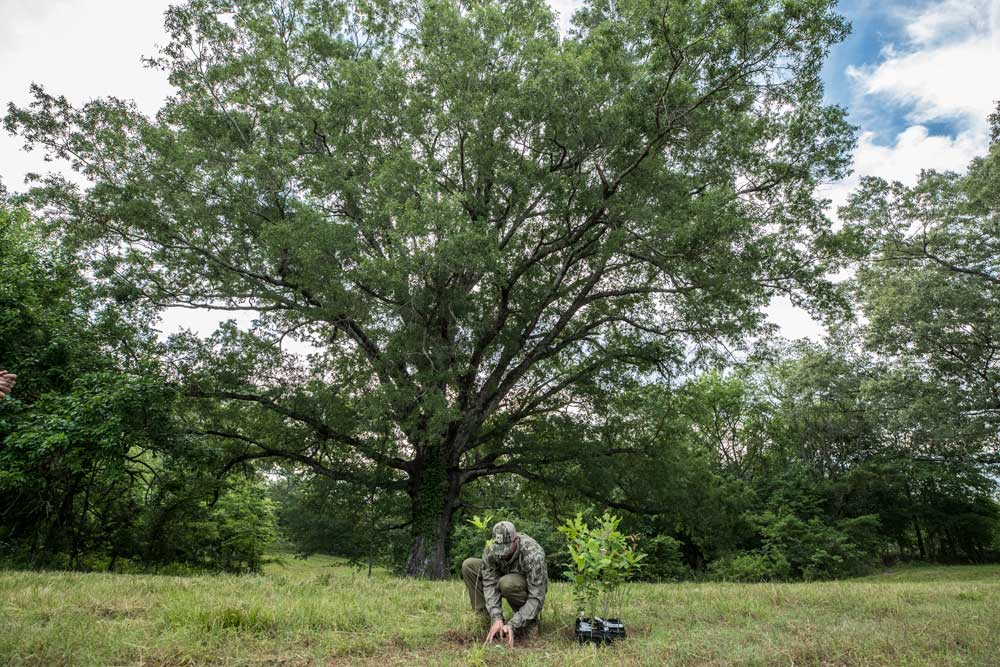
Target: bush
794, 548
816, 550
245, 523
664, 559
231, 535
752, 567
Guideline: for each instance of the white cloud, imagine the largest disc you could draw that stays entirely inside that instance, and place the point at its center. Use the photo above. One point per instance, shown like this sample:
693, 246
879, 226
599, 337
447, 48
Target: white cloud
945, 82
914, 149
794, 322
201, 322
942, 20
947, 71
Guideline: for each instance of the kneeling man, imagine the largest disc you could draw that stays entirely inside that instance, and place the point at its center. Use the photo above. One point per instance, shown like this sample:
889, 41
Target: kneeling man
512, 568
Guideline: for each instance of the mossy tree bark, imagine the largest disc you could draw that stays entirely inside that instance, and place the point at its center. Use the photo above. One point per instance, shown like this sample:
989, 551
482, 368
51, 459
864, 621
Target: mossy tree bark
434, 493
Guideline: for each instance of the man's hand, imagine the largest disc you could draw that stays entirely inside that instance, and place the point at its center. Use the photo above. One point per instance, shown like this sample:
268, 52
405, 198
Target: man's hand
509, 632
501, 632
7, 381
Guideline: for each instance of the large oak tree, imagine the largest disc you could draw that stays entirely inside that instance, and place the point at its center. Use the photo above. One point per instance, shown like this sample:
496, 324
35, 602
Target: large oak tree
480, 224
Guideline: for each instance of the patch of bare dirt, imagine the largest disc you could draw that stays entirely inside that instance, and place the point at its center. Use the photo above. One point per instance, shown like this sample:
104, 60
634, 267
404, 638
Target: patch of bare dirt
458, 638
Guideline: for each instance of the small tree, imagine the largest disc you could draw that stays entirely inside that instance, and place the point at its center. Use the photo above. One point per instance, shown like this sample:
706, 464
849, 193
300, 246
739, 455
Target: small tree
245, 519
602, 561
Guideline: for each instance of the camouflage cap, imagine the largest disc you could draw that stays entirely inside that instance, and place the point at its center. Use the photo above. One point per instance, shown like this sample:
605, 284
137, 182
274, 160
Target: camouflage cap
503, 540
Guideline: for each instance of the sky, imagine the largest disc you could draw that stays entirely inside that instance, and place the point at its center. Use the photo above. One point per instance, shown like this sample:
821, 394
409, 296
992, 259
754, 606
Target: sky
918, 77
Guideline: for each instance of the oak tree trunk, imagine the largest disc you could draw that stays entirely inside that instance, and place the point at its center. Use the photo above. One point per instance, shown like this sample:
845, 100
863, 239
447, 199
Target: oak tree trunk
434, 494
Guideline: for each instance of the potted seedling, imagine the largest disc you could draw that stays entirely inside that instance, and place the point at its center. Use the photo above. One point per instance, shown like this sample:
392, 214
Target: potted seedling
601, 562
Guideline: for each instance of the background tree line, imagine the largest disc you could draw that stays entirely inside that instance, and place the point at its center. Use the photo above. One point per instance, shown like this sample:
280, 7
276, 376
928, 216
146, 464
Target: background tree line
519, 259
95, 469
804, 460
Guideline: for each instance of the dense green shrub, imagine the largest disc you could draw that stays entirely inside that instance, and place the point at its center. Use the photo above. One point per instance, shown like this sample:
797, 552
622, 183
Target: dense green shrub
245, 526
752, 567
793, 548
317, 514
664, 559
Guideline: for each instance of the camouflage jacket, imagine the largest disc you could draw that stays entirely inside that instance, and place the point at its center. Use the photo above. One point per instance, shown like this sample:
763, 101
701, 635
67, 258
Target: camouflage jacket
528, 560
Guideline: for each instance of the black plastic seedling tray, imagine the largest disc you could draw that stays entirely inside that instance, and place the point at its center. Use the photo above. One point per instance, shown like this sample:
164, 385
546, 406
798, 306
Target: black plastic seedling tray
598, 630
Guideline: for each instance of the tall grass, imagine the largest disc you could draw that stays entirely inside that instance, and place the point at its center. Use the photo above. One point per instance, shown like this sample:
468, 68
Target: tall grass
321, 612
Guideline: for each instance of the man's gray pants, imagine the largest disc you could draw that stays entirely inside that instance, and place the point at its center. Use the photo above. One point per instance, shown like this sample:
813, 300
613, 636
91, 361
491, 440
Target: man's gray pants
513, 587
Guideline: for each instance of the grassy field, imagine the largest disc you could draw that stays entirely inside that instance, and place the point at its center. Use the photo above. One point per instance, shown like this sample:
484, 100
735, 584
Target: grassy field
320, 612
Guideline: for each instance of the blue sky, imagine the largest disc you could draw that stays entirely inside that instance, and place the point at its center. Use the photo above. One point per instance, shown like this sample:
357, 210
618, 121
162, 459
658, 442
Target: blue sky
874, 25
918, 77
903, 27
